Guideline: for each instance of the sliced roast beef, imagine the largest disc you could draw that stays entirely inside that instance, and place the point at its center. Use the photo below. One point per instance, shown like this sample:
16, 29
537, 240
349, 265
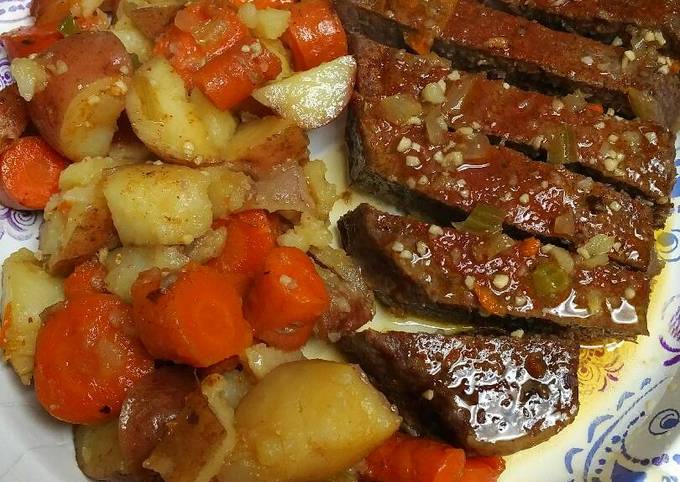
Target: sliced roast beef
447, 272
489, 395
448, 179
637, 155
655, 22
352, 303
476, 37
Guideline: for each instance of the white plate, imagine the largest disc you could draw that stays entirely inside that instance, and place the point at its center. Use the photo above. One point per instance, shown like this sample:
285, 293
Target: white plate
627, 430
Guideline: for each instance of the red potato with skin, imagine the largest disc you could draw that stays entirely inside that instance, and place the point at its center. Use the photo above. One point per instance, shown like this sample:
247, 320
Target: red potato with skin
13, 115
77, 111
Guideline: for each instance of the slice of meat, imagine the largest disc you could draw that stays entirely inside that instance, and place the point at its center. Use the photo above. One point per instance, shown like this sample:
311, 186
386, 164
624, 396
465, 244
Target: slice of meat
352, 303
489, 395
605, 20
448, 180
476, 37
638, 155
447, 272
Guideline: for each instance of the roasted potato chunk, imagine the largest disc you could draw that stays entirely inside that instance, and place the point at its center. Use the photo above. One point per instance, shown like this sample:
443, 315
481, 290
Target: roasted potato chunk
201, 437
26, 291
228, 189
158, 204
176, 127
267, 141
98, 452
77, 221
123, 265
77, 110
330, 421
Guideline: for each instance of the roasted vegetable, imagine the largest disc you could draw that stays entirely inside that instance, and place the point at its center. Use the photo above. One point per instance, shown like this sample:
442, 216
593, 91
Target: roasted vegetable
84, 94
98, 452
152, 204
27, 290
201, 437
173, 126
314, 97
332, 420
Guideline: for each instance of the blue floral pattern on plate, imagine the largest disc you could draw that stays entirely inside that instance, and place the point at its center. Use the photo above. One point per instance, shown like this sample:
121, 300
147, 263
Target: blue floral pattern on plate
632, 436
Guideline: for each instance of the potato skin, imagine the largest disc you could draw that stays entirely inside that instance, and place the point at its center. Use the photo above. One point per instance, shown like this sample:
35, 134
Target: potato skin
77, 111
13, 115
151, 20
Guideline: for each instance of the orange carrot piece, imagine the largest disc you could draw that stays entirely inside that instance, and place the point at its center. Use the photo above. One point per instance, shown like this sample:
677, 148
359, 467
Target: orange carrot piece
251, 235
488, 300
29, 173
50, 13
229, 79
192, 40
315, 34
529, 247
86, 279
409, 459
597, 108
483, 469
86, 359
24, 41
197, 320
287, 297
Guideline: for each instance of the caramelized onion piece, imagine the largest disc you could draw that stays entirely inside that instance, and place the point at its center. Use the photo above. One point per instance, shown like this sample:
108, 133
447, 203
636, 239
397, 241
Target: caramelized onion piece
399, 108
150, 404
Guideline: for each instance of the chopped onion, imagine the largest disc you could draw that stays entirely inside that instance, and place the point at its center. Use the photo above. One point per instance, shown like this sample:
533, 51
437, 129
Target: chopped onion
436, 126
476, 146
455, 95
284, 188
563, 258
565, 223
644, 106
599, 244
399, 108
633, 139
595, 261
576, 102
497, 244
484, 219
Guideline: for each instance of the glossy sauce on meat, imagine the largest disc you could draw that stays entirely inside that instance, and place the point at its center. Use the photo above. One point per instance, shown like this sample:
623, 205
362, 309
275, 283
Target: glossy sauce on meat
490, 395
408, 263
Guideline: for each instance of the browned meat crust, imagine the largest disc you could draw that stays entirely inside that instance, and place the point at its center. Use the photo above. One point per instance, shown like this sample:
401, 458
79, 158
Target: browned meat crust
605, 20
489, 395
476, 37
444, 271
636, 155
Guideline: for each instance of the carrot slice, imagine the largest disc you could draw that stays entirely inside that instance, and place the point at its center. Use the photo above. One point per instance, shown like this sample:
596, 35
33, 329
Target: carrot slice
529, 247
286, 298
315, 34
29, 173
86, 359
230, 78
408, 459
197, 320
251, 235
86, 279
483, 469
488, 300
201, 31
24, 41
